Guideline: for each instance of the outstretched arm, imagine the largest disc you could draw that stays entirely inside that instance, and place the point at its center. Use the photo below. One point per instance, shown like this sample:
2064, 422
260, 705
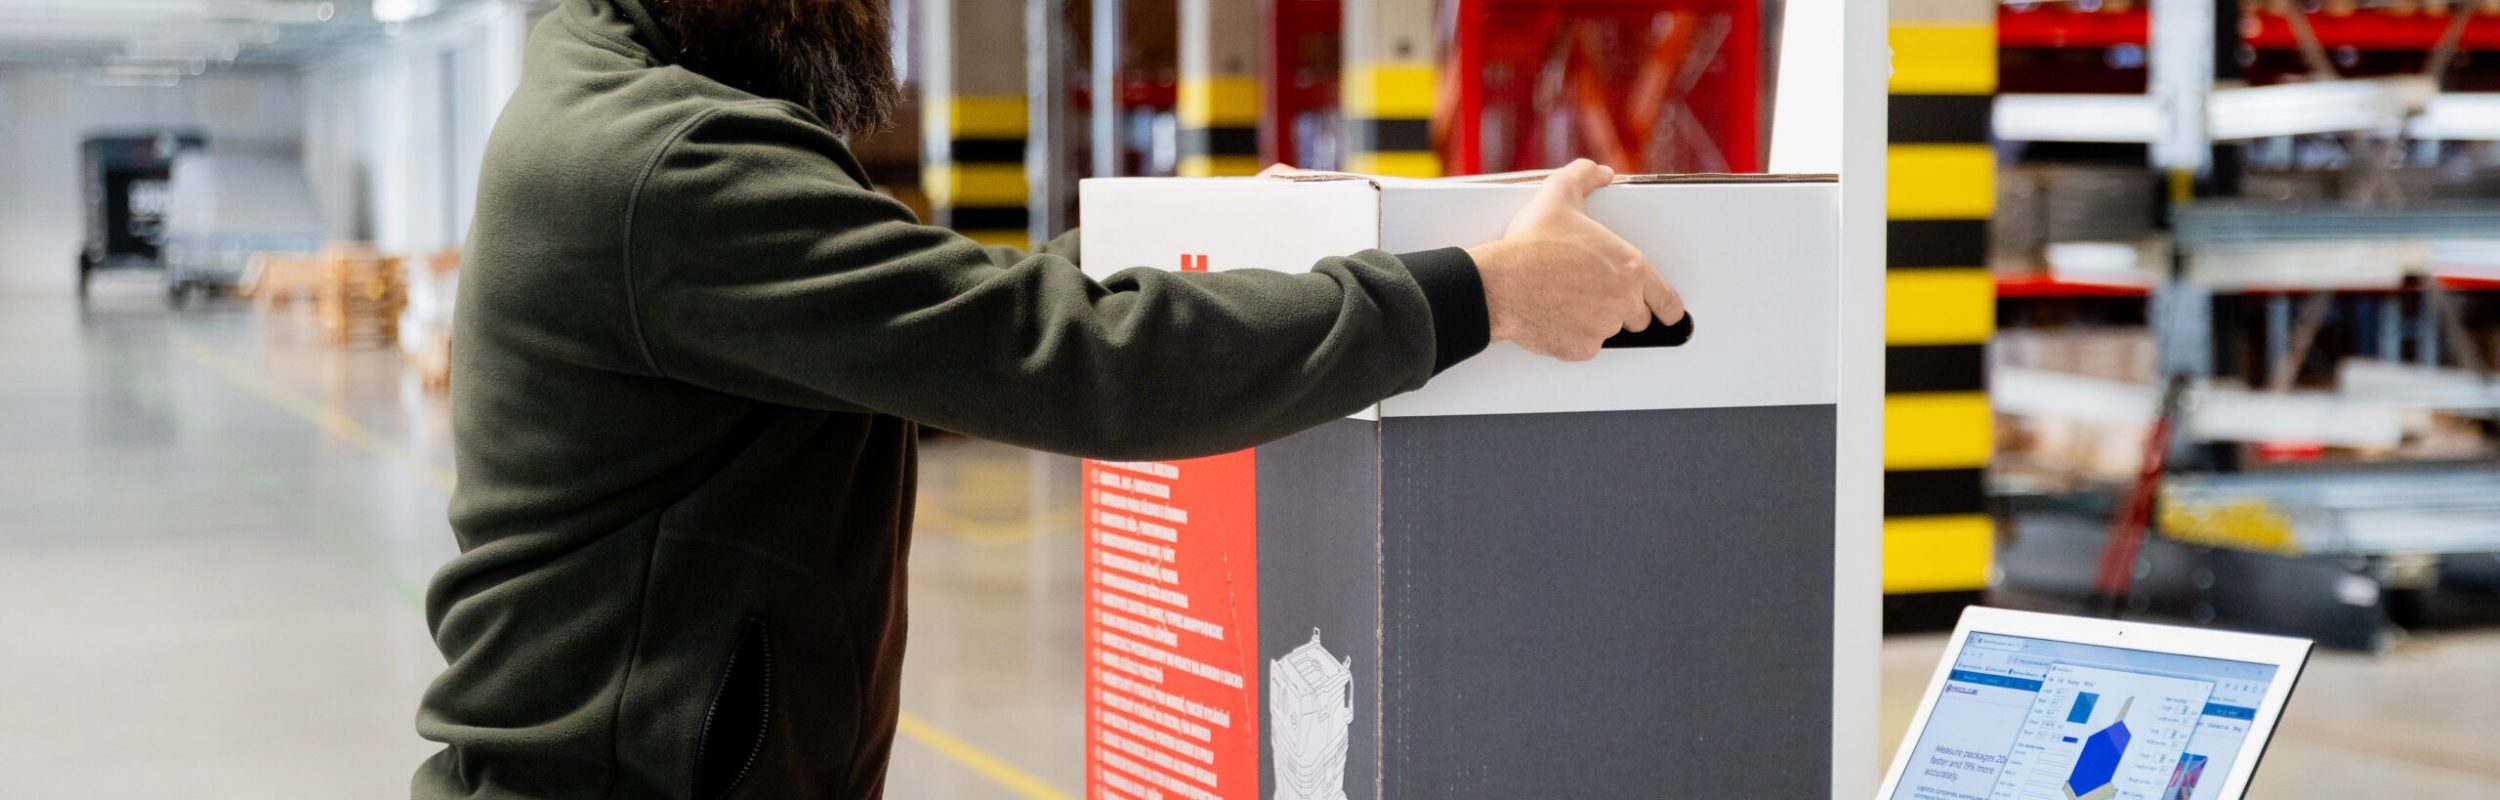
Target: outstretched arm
761, 270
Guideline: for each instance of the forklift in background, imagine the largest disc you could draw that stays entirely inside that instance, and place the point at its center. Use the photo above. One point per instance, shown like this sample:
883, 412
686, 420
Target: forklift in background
127, 181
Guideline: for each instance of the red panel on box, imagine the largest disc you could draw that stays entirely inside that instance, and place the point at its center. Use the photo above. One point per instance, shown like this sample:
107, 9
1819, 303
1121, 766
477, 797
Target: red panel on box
1171, 628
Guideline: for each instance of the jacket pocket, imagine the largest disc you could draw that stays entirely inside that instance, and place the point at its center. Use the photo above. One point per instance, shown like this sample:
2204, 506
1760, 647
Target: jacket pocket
740, 715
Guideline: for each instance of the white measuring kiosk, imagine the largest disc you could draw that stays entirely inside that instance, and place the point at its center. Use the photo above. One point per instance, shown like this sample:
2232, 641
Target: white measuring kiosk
2044, 707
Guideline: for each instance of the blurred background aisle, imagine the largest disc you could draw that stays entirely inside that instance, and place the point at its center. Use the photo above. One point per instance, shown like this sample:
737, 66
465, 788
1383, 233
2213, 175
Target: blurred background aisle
216, 530
230, 239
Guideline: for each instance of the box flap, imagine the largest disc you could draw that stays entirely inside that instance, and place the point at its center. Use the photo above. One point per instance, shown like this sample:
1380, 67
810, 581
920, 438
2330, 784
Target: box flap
1756, 258
1535, 175
1730, 177
1757, 262
1532, 176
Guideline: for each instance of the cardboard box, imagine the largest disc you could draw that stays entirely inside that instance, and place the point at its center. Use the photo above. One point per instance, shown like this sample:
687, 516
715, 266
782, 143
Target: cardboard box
425, 322
1528, 579
2117, 354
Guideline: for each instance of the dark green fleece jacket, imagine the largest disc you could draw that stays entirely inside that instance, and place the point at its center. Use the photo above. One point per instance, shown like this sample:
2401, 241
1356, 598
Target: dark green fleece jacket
692, 356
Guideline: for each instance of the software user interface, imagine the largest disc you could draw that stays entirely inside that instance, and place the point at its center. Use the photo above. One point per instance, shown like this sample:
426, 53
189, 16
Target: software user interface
2037, 719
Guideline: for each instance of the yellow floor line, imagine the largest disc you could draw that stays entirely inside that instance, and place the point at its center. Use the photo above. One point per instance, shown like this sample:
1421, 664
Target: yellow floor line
961, 752
332, 421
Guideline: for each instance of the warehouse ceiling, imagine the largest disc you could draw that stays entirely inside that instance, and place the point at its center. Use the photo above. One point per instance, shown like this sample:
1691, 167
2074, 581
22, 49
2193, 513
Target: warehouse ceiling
159, 41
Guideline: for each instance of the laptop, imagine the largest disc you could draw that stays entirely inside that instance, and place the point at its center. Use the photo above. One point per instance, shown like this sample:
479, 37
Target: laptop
2045, 707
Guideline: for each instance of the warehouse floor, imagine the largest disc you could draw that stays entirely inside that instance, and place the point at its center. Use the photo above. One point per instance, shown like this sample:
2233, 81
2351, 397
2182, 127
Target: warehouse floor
215, 531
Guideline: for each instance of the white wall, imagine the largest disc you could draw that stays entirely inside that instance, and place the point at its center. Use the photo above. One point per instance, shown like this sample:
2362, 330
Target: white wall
391, 134
46, 112
394, 134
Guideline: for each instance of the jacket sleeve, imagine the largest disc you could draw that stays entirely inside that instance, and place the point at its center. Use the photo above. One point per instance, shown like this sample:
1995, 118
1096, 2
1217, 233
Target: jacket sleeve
759, 268
1066, 246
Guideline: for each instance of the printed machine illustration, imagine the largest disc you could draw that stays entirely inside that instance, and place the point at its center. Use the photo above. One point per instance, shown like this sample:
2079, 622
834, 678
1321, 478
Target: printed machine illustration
1310, 707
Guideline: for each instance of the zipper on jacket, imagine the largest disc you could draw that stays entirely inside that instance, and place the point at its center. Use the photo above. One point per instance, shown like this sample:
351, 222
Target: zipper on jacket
753, 631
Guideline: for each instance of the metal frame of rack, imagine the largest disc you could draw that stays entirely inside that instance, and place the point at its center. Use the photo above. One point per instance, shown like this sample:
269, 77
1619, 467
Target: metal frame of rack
2333, 552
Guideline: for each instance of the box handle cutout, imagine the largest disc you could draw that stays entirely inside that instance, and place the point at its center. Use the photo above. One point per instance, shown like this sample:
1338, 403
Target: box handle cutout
1656, 335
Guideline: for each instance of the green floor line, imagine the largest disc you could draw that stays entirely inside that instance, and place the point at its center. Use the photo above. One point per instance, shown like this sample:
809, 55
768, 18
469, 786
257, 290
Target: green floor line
257, 474
911, 727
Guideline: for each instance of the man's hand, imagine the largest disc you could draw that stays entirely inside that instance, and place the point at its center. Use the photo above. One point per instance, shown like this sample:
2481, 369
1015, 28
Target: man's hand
1559, 284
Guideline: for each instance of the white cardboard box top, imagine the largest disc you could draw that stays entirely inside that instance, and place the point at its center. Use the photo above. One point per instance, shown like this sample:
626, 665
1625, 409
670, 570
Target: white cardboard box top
1757, 260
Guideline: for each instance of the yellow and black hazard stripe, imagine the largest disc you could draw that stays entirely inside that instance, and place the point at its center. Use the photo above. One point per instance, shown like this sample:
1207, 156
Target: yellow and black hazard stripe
1388, 111
1940, 309
1219, 118
976, 183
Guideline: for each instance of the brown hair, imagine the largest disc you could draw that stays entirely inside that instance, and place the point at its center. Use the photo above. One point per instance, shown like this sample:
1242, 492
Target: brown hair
833, 57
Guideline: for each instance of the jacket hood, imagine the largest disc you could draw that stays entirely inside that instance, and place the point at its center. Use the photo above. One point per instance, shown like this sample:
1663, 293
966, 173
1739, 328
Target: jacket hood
644, 14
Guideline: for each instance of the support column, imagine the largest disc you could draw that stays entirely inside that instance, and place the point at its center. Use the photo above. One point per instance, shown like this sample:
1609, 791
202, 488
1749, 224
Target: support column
1392, 73
1050, 152
1219, 92
972, 93
507, 32
1940, 301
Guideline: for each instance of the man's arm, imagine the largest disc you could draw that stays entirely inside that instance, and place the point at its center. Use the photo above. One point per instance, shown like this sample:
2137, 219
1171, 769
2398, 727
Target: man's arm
1065, 246
760, 270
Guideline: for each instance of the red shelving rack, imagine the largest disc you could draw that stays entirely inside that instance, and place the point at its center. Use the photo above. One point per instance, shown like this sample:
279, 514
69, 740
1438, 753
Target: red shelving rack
1648, 85
2054, 26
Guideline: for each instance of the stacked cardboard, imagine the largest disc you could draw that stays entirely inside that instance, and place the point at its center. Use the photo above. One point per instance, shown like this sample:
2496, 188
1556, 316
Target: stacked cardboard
360, 297
2068, 451
433, 283
278, 280
2116, 354
2044, 211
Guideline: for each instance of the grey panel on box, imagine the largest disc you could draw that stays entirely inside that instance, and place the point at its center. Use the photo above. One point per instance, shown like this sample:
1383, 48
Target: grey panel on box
1614, 604
1319, 567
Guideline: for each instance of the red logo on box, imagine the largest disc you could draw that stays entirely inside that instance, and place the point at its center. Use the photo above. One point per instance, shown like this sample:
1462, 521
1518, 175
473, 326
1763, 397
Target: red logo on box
1191, 262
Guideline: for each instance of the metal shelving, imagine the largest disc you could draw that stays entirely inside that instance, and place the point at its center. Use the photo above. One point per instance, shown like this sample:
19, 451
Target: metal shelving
2248, 487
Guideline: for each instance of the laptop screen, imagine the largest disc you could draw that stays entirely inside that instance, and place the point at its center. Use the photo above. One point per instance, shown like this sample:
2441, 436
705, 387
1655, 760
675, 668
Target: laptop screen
2037, 719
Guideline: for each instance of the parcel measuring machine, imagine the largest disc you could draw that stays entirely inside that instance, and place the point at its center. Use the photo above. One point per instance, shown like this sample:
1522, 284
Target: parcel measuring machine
1620, 576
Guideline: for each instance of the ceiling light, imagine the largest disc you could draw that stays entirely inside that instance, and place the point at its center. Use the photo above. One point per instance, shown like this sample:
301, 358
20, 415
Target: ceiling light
392, 11
144, 81
124, 69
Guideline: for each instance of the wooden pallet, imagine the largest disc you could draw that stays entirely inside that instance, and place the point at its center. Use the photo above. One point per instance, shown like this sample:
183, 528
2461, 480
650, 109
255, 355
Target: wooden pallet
431, 360
428, 346
276, 280
360, 301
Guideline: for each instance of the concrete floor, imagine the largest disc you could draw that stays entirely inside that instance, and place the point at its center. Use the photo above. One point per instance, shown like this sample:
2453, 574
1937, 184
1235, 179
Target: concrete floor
214, 530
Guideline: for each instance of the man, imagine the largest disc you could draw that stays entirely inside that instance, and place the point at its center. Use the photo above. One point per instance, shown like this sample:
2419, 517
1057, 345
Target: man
694, 350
